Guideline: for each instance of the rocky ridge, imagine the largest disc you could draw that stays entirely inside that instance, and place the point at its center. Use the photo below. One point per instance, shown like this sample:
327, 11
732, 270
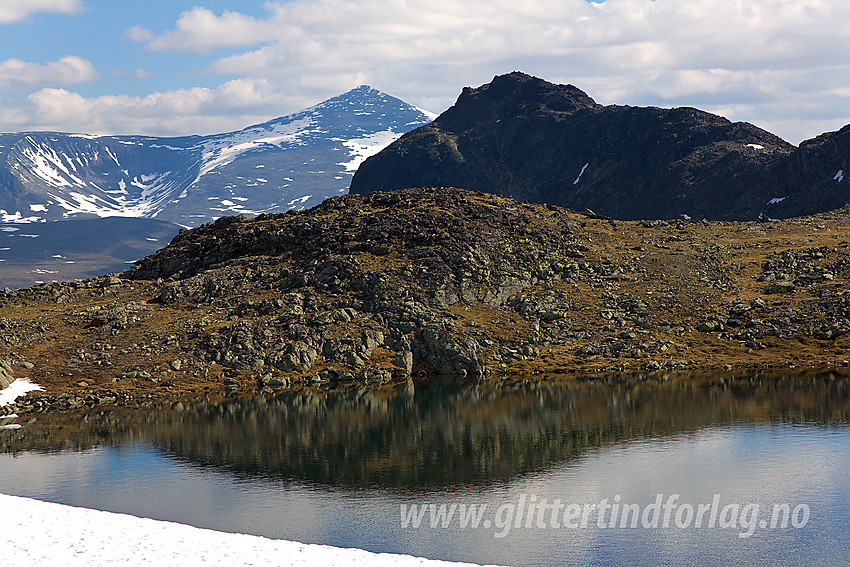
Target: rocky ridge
378, 288
532, 140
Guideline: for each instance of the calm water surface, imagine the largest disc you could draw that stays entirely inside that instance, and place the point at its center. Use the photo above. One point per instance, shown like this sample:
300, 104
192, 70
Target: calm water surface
339, 467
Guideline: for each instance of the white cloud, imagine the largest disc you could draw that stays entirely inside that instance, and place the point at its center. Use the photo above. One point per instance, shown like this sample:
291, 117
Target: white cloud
713, 53
140, 34
22, 75
200, 30
778, 63
15, 10
231, 106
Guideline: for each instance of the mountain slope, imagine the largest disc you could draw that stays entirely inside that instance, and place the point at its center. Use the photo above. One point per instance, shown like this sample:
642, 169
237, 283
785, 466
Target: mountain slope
294, 161
532, 140
815, 178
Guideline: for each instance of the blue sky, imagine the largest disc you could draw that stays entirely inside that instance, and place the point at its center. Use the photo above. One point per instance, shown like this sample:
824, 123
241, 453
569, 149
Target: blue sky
179, 67
97, 32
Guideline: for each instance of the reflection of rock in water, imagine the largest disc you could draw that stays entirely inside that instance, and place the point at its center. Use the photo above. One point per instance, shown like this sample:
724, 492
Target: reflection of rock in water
444, 435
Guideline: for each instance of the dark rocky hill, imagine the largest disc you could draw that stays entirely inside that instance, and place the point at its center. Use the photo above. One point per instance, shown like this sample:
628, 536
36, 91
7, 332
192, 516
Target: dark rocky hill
523, 137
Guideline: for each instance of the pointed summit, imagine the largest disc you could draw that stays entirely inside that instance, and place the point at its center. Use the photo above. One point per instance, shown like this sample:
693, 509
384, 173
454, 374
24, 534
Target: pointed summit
293, 161
364, 99
508, 95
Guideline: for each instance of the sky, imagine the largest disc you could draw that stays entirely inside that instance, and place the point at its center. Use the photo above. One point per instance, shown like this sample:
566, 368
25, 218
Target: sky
177, 67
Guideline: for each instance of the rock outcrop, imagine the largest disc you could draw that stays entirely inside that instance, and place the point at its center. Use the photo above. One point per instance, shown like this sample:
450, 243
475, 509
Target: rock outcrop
441, 249
6, 377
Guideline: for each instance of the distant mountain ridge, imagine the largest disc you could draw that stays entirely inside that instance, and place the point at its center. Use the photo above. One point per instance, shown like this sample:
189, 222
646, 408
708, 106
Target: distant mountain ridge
295, 161
526, 138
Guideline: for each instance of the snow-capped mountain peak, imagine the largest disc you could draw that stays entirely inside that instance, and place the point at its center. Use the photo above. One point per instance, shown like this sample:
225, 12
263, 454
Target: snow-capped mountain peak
291, 161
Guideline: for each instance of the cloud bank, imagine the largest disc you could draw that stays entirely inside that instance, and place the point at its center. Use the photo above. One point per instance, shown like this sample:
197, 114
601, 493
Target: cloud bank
780, 64
229, 107
16, 10
21, 75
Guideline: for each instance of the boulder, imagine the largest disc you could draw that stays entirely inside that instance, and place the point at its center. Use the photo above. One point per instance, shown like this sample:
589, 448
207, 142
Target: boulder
6, 377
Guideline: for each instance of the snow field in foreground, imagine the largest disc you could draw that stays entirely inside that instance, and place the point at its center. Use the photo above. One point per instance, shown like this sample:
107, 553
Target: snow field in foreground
38, 533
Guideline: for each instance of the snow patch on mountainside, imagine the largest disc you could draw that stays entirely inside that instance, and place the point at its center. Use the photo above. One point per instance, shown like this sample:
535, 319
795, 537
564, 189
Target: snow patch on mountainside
48, 165
362, 148
430, 116
299, 200
152, 191
17, 217
580, 173
223, 150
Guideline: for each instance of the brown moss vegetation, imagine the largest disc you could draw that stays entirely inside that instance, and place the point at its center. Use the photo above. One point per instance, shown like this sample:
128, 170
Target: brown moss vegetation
461, 280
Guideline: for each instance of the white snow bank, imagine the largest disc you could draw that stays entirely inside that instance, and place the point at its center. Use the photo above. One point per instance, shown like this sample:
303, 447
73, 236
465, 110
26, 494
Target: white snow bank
776, 200
17, 388
39, 533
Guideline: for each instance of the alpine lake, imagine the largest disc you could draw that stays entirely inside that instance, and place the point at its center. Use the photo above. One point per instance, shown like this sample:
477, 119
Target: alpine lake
746, 469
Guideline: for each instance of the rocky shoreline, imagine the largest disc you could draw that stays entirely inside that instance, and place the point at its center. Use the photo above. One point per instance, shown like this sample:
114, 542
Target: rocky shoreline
378, 288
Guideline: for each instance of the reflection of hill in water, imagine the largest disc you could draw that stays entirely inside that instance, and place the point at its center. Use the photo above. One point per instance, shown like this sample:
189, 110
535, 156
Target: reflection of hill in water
444, 435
